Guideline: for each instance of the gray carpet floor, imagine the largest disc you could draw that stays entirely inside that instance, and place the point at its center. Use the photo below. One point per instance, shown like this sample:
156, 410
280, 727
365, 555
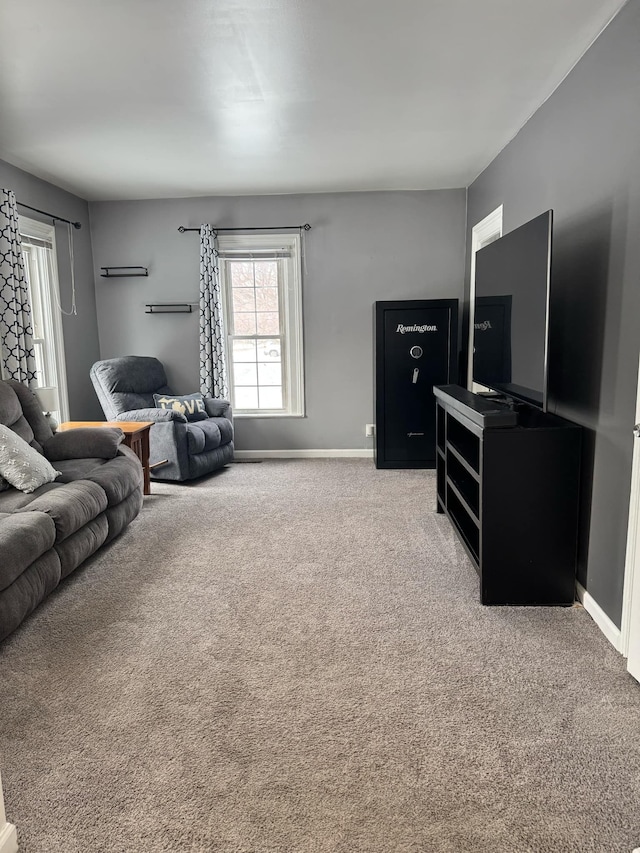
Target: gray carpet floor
290, 657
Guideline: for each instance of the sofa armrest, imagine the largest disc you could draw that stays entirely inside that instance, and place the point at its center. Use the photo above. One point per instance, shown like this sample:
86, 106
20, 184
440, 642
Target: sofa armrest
83, 443
155, 415
216, 407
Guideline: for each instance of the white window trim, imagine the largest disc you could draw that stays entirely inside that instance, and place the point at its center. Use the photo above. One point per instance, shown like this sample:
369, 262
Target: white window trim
44, 231
293, 364
483, 231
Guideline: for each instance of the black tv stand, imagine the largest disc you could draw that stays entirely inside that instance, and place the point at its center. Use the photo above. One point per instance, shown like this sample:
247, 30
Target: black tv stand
510, 491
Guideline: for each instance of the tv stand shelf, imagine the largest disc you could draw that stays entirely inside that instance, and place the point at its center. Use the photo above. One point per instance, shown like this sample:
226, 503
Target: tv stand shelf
511, 494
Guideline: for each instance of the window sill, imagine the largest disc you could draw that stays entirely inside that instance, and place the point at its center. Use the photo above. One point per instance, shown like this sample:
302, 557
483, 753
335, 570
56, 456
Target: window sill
257, 415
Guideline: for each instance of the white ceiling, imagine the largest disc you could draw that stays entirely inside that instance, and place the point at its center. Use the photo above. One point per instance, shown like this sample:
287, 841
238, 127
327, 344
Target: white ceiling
165, 98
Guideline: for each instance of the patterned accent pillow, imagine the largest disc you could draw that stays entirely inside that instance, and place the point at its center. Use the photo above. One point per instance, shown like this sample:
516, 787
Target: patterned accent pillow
189, 405
21, 465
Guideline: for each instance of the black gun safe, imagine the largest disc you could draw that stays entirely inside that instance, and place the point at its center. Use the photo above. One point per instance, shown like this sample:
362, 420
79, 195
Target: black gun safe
416, 347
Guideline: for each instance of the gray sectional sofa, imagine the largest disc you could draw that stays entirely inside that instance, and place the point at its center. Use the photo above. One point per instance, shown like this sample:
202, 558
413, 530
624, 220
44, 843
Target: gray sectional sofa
46, 534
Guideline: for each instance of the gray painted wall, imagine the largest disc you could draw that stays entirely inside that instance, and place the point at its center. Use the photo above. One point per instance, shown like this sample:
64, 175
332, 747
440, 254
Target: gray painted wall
580, 155
80, 332
362, 247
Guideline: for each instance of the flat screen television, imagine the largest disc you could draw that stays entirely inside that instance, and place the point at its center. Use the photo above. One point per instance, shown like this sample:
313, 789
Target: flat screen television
511, 312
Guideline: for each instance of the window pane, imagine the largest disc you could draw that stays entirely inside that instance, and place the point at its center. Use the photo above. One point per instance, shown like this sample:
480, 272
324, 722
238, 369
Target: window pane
244, 299
271, 398
266, 273
241, 273
31, 272
244, 351
244, 324
267, 299
269, 349
38, 351
270, 374
246, 398
268, 324
245, 374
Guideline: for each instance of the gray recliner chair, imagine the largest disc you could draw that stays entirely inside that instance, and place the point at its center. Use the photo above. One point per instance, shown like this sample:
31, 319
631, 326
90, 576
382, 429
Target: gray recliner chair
125, 387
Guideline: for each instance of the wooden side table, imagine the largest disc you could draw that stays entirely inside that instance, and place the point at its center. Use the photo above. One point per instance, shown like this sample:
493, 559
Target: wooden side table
136, 436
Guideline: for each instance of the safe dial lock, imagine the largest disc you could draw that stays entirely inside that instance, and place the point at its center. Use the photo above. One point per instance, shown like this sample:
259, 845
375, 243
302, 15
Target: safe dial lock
415, 352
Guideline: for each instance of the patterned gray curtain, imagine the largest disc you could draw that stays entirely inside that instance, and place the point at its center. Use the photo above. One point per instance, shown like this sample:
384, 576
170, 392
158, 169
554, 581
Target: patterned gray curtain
16, 333
213, 371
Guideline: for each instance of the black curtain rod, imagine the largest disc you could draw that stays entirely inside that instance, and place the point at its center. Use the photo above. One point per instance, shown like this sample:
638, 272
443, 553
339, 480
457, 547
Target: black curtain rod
49, 215
306, 227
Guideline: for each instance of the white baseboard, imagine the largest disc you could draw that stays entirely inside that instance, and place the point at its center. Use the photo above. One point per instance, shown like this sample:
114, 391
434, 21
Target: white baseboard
611, 632
302, 454
8, 839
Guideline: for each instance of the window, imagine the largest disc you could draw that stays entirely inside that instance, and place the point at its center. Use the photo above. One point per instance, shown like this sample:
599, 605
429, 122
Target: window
261, 284
39, 256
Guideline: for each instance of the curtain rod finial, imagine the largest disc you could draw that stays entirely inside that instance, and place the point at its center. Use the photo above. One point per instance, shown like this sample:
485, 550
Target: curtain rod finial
181, 229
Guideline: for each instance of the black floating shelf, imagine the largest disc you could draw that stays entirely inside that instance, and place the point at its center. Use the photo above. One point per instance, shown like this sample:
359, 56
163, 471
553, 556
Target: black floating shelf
119, 272
169, 308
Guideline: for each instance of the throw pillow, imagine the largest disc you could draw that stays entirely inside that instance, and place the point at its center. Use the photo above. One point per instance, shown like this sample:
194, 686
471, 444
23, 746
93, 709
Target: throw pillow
189, 405
22, 465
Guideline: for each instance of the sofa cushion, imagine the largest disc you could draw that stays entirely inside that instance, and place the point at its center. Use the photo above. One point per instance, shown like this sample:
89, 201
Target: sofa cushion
209, 460
118, 478
78, 469
32, 410
11, 413
27, 591
70, 506
22, 465
226, 429
205, 435
23, 538
128, 382
82, 544
13, 499
10, 408
119, 516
